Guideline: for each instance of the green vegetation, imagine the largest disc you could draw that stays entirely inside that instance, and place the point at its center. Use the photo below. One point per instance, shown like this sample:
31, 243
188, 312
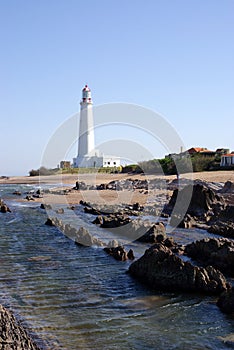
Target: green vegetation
42, 171
182, 165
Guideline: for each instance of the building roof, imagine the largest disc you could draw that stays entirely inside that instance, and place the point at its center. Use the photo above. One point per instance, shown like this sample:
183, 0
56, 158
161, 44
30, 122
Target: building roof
228, 155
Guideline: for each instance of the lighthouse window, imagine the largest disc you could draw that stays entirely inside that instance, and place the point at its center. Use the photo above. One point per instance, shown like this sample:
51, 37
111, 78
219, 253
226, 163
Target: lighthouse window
114, 163
108, 163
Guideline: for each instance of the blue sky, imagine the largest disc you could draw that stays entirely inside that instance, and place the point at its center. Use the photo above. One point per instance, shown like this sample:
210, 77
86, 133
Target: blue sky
175, 57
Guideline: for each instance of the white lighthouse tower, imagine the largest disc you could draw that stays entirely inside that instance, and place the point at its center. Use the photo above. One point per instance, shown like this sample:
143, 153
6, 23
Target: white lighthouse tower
88, 156
86, 132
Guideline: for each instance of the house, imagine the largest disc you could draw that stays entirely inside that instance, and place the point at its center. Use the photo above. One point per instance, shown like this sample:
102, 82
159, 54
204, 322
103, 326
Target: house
221, 151
201, 151
227, 159
65, 164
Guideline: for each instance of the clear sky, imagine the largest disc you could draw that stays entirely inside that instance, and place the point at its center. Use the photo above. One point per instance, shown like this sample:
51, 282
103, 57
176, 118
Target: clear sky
175, 57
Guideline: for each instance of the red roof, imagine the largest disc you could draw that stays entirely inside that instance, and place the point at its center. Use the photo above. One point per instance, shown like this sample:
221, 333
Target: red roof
228, 155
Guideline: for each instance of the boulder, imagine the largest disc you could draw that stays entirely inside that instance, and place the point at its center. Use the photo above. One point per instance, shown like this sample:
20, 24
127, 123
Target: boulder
226, 302
119, 253
218, 252
4, 208
156, 233
114, 220
45, 206
91, 210
50, 222
161, 269
60, 211
228, 187
12, 335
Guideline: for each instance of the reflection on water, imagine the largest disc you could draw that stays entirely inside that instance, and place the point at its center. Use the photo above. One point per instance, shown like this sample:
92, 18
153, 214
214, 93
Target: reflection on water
76, 297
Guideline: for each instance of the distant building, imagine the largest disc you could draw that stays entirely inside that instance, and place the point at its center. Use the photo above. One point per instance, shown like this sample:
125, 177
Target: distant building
221, 151
227, 159
202, 151
64, 164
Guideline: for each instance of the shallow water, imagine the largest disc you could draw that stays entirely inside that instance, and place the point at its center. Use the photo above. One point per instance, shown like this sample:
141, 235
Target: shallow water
76, 297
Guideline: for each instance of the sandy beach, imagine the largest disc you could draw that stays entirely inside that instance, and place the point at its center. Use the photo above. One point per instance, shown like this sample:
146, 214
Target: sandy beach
62, 192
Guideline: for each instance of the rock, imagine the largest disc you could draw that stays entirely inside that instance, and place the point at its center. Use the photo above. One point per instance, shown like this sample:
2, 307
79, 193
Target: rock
91, 210
225, 229
187, 222
118, 253
17, 193
113, 244
226, 302
228, 187
114, 220
60, 211
202, 200
29, 198
12, 335
156, 233
4, 208
50, 222
130, 255
45, 206
218, 252
83, 237
160, 268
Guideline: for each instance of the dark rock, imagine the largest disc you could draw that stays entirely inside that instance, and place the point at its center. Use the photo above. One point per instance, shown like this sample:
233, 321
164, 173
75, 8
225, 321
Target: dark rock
218, 252
12, 335
114, 220
130, 255
226, 302
228, 187
98, 220
160, 268
225, 229
91, 210
50, 222
4, 208
45, 206
29, 198
156, 234
202, 200
119, 253
187, 222
17, 193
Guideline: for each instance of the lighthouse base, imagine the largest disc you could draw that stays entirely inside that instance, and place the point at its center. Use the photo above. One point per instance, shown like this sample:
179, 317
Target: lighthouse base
96, 162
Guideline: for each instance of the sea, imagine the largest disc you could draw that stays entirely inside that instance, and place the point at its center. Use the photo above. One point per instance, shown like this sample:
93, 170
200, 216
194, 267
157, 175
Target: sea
74, 297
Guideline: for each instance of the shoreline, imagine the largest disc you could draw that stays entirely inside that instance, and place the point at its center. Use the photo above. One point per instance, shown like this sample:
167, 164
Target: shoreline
62, 191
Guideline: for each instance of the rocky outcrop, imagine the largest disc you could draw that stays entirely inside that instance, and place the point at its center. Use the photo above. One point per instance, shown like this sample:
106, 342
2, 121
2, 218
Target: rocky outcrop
223, 223
228, 187
119, 253
202, 200
226, 302
160, 268
218, 252
156, 234
83, 237
12, 335
3, 207
112, 220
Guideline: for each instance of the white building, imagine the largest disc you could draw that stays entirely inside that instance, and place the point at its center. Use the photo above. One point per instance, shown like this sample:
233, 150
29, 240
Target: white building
227, 159
88, 156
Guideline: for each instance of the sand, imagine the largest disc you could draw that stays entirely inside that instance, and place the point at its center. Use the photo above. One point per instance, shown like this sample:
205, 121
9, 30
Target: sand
63, 183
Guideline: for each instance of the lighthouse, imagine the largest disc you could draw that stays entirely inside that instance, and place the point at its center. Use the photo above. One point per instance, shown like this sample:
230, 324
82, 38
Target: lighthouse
88, 156
86, 132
